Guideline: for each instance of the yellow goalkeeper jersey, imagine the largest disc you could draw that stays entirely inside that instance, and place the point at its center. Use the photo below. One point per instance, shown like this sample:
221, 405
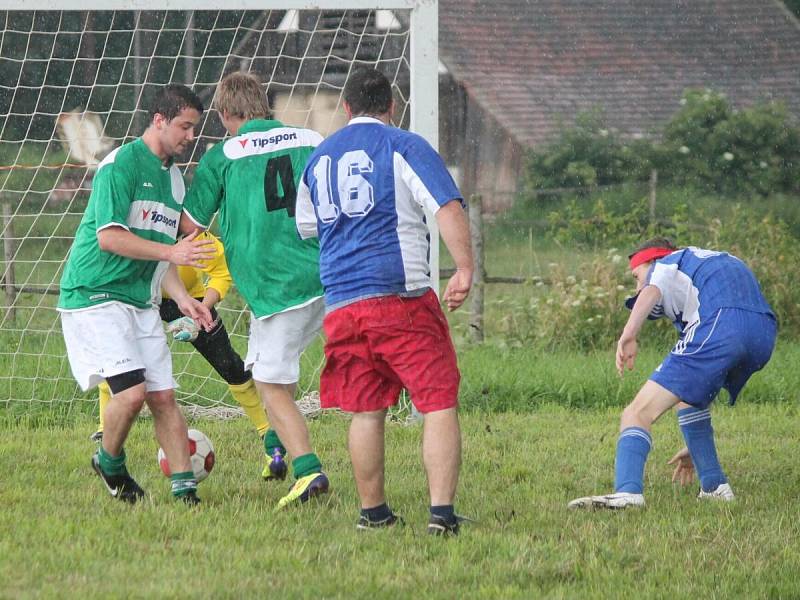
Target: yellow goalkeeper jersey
213, 275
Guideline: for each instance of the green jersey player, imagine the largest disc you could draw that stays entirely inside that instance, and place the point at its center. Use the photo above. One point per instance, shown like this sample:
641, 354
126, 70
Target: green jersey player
124, 252
251, 180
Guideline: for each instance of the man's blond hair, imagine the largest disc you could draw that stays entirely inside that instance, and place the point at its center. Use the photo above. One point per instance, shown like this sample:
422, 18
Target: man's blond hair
242, 96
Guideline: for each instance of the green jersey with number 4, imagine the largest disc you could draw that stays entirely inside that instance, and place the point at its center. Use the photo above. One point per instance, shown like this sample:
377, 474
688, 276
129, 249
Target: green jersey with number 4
133, 190
251, 179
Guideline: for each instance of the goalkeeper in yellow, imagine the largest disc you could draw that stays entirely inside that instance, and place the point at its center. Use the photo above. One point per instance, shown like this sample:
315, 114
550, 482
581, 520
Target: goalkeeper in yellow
209, 285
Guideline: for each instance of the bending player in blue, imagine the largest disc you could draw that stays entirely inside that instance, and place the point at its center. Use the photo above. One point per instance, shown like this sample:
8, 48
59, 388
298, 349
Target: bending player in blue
727, 333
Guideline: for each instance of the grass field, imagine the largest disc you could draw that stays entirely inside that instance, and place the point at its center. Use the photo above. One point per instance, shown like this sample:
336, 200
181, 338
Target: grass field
64, 537
540, 428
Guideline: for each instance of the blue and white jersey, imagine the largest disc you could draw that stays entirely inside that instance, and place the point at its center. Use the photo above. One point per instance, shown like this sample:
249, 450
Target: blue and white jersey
696, 283
363, 192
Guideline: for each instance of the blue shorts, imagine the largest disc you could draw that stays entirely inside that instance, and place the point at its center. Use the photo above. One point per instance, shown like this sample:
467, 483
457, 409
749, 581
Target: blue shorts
721, 352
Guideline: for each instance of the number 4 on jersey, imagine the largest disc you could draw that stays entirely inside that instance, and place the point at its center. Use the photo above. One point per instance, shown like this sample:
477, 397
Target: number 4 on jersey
280, 167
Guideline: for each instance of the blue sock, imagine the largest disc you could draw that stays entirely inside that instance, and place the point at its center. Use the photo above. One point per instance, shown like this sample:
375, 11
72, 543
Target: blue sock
633, 447
699, 436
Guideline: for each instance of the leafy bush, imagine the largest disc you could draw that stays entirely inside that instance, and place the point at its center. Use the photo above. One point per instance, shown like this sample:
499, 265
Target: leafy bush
574, 311
585, 155
707, 144
710, 145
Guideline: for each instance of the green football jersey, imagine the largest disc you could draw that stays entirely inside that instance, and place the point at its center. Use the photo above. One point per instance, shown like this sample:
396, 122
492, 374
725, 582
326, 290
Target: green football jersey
251, 180
132, 189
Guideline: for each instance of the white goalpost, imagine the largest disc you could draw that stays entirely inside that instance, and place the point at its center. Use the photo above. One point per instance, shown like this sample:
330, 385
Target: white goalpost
75, 79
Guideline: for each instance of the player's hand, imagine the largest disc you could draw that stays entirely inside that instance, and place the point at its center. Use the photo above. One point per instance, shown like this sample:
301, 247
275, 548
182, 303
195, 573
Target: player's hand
183, 329
191, 252
627, 348
458, 288
196, 311
684, 467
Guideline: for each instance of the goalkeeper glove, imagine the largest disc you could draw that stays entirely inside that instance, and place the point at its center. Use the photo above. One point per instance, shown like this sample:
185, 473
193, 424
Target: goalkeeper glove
183, 329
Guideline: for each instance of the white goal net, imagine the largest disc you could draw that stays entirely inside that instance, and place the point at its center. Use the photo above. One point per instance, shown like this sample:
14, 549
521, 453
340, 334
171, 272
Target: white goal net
75, 84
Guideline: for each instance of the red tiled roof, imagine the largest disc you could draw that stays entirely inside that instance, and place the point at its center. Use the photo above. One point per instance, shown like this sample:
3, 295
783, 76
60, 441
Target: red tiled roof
531, 63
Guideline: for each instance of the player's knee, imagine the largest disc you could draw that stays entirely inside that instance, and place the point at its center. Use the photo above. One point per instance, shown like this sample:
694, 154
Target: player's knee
161, 400
635, 414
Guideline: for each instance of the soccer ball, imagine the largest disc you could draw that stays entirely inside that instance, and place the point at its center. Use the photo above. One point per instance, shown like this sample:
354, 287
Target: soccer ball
201, 453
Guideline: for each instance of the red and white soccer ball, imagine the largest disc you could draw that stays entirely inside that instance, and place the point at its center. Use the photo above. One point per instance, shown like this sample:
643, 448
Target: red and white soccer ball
201, 452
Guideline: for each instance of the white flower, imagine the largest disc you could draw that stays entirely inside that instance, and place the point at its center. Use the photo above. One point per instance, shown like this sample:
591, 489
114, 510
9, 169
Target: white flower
682, 102
762, 164
683, 150
589, 320
571, 279
576, 302
539, 283
616, 259
620, 287
552, 265
603, 132
728, 156
706, 97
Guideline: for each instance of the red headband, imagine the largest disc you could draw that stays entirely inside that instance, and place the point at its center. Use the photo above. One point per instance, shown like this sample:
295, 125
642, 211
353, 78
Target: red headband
648, 254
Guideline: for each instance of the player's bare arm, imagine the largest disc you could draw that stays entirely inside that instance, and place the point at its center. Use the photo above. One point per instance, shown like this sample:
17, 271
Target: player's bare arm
627, 346
454, 229
211, 298
187, 251
198, 311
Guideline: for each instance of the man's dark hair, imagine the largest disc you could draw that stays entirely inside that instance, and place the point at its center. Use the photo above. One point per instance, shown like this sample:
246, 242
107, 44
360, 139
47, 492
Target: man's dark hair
368, 92
172, 99
656, 242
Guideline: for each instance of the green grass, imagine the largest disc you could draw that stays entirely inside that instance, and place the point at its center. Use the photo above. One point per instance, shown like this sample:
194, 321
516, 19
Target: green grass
63, 536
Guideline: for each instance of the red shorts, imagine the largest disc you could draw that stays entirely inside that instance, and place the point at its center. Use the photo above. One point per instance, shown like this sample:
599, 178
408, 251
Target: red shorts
378, 346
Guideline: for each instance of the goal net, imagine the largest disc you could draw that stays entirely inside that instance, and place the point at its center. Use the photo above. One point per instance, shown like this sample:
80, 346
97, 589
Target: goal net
74, 84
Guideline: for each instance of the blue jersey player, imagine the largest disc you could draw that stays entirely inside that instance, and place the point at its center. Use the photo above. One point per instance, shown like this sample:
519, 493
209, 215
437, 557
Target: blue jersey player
727, 333
363, 192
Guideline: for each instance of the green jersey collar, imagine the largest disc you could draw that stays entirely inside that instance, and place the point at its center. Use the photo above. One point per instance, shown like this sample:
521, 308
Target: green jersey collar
258, 125
152, 157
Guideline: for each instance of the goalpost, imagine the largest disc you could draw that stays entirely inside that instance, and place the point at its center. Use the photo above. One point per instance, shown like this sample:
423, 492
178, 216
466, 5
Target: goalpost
75, 79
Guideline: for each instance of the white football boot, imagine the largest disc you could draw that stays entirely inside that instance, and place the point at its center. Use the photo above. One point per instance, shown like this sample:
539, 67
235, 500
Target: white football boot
723, 492
611, 501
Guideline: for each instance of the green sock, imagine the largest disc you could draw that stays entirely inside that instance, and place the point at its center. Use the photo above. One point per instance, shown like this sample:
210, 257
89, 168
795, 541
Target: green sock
183, 483
112, 465
273, 442
306, 465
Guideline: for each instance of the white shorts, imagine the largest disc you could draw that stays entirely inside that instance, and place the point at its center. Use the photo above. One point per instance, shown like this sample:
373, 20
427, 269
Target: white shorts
276, 343
115, 338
